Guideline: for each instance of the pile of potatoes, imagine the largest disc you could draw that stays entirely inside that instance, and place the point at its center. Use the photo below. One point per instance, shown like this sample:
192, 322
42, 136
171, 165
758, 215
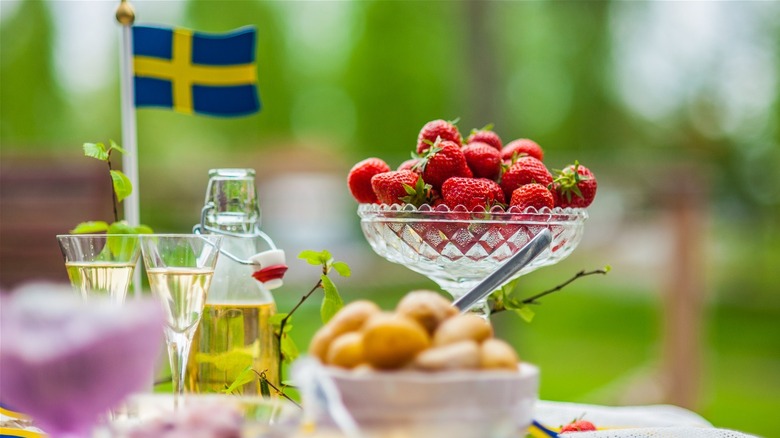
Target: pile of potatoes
425, 332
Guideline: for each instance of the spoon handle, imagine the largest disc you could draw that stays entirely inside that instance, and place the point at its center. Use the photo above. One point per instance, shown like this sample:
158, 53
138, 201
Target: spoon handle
527, 253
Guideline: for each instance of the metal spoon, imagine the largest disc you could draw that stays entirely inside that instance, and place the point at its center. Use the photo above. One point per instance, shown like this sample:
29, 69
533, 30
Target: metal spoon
527, 253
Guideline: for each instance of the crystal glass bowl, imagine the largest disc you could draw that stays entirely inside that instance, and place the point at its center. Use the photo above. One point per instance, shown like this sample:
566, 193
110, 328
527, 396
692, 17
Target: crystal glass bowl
457, 249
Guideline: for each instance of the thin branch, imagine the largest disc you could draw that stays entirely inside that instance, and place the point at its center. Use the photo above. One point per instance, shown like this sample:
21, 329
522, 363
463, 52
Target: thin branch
583, 273
284, 322
114, 201
303, 298
262, 376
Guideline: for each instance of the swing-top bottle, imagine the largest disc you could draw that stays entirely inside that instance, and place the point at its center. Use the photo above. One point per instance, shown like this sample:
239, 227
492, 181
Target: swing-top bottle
235, 331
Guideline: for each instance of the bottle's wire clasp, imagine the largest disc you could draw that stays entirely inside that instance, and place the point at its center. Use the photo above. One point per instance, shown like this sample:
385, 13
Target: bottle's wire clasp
269, 265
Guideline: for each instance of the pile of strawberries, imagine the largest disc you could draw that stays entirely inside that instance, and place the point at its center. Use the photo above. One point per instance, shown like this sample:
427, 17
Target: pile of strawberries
478, 172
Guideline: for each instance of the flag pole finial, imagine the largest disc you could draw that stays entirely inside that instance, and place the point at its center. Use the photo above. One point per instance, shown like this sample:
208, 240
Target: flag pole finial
125, 14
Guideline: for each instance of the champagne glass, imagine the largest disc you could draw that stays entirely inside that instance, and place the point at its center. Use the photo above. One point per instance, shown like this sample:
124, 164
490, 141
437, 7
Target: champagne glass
180, 268
100, 264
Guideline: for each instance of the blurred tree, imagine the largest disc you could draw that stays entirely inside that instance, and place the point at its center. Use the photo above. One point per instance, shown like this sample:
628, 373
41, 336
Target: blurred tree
31, 103
408, 67
553, 65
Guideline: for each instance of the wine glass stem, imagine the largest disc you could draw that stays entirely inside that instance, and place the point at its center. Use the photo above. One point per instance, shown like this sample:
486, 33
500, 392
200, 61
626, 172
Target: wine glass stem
178, 351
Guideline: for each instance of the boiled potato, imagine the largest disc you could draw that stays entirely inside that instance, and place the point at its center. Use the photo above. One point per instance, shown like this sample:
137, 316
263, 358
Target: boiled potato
352, 316
349, 319
458, 356
391, 341
461, 328
320, 343
346, 351
497, 354
426, 307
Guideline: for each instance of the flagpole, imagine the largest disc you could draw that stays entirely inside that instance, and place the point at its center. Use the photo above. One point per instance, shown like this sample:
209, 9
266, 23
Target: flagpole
125, 15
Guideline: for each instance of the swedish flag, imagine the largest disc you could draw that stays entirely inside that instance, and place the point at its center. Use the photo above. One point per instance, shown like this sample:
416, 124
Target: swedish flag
193, 72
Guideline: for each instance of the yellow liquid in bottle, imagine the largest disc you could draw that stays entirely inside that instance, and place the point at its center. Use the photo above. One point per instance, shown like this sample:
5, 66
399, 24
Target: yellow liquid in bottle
231, 337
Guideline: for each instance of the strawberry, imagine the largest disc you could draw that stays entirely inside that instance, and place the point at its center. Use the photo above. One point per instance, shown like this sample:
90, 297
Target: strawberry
442, 161
520, 147
575, 186
497, 191
400, 186
578, 426
469, 192
408, 164
434, 198
483, 160
526, 170
437, 129
485, 135
532, 195
359, 179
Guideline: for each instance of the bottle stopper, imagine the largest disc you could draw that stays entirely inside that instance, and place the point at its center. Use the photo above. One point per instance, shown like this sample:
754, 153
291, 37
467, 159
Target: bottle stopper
269, 268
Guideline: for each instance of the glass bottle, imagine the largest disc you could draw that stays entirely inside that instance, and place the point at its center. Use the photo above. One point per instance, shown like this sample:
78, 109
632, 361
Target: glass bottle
235, 330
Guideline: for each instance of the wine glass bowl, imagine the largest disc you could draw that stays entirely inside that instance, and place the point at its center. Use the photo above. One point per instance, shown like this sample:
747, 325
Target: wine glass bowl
100, 264
457, 248
180, 268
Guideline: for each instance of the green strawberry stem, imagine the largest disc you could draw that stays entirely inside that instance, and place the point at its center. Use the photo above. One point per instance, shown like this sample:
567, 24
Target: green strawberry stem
488, 127
417, 195
569, 180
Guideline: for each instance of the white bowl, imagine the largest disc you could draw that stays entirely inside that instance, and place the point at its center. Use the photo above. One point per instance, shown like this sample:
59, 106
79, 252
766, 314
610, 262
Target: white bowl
487, 403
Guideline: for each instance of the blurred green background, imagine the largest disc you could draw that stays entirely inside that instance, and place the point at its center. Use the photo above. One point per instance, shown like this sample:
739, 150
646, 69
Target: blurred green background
674, 106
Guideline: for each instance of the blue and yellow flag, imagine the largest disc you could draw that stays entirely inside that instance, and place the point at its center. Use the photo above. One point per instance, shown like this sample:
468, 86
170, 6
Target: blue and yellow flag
193, 72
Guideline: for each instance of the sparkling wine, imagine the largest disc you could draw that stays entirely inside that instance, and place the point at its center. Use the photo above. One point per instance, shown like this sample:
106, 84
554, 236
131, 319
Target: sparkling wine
229, 338
101, 278
183, 294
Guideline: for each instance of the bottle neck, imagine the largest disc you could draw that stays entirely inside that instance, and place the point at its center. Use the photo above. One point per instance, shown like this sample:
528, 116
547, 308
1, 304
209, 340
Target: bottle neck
231, 204
232, 223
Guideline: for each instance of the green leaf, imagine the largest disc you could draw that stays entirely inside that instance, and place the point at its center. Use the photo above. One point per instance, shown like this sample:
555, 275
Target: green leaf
311, 257
342, 268
121, 227
244, 377
265, 391
143, 229
510, 287
276, 319
116, 146
96, 150
122, 185
525, 312
122, 247
325, 257
332, 302
289, 349
90, 227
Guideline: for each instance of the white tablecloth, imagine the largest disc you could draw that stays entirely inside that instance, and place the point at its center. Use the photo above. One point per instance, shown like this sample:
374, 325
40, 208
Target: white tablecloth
655, 421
